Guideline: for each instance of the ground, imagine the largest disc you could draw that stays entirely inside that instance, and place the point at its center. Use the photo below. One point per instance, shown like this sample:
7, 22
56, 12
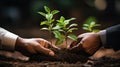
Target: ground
16, 59
63, 58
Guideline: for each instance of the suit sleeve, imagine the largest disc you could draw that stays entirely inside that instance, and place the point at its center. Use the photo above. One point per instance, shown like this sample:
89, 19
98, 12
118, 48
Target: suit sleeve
7, 39
113, 37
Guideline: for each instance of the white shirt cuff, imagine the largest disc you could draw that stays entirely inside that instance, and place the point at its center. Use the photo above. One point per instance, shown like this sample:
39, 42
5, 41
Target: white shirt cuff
8, 41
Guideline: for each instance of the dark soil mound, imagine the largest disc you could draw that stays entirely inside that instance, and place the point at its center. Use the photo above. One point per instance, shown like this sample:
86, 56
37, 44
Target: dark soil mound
63, 55
63, 58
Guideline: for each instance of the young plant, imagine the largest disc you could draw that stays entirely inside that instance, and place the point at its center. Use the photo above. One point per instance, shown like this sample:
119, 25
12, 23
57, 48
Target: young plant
90, 24
49, 22
63, 30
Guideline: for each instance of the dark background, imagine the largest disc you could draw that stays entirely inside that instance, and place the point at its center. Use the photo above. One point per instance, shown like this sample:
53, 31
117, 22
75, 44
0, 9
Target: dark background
21, 18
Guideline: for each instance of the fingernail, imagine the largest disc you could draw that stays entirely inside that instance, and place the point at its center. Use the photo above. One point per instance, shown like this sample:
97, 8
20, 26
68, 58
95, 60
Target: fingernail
51, 53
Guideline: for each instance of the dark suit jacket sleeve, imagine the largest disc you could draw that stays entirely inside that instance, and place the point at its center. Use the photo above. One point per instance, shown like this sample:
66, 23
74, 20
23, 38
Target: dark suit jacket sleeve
113, 37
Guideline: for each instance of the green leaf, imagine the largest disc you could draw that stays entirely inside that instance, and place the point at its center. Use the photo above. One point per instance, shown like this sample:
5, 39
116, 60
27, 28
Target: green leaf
56, 27
86, 25
90, 19
59, 41
66, 22
44, 23
60, 25
72, 25
71, 19
58, 34
55, 12
44, 28
49, 16
61, 30
41, 13
92, 23
47, 9
62, 19
73, 37
52, 20
70, 30
85, 28
61, 22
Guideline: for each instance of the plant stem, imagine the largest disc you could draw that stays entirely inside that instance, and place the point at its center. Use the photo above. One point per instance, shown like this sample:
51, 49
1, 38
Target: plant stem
66, 42
65, 39
50, 33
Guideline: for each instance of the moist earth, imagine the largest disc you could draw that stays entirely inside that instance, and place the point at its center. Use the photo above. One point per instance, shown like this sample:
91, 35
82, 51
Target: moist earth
63, 58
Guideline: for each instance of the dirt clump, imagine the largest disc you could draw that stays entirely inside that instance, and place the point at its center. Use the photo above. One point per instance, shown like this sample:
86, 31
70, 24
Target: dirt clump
63, 55
62, 58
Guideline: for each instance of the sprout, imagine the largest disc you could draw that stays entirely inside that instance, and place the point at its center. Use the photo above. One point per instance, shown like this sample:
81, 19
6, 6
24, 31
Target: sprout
62, 29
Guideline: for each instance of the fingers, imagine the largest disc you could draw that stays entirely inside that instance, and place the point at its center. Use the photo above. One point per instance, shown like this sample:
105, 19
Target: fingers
44, 50
51, 45
82, 35
77, 48
42, 41
46, 43
74, 43
79, 40
42, 46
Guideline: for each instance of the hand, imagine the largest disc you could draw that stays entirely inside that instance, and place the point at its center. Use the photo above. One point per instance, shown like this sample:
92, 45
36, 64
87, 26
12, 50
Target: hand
33, 46
89, 42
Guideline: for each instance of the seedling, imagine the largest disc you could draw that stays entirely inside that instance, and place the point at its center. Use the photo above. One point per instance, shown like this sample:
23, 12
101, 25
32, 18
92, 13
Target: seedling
62, 29
49, 22
90, 25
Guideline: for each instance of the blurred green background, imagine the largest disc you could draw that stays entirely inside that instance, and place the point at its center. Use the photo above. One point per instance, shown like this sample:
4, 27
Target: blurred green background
21, 18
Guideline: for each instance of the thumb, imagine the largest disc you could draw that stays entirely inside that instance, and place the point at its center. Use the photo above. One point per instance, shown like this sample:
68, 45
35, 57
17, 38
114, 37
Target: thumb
50, 52
77, 48
82, 35
75, 43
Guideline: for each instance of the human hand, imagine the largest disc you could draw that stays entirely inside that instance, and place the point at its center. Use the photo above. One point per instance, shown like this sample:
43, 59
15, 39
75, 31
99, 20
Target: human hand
33, 46
89, 42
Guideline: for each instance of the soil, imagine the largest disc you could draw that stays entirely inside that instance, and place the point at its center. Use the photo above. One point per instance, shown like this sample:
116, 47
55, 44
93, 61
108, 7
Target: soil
111, 60
63, 57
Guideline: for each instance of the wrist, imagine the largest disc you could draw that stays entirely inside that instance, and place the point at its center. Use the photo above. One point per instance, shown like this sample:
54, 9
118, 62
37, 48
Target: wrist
102, 36
19, 44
